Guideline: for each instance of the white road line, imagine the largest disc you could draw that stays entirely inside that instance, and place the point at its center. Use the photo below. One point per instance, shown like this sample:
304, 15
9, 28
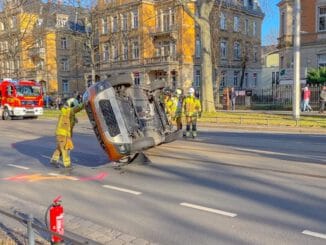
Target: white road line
315, 234
17, 166
70, 177
216, 211
122, 189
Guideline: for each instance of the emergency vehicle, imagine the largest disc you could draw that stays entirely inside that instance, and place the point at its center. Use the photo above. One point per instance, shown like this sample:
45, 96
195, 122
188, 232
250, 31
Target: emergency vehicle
20, 99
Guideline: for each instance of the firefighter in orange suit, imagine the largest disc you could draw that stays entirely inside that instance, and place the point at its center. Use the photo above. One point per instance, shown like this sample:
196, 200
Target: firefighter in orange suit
66, 123
192, 110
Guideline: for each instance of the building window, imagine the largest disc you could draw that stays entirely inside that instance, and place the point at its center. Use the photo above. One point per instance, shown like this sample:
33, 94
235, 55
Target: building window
322, 18
65, 86
136, 78
222, 21
61, 21
223, 79
104, 25
254, 79
125, 51
135, 50
282, 24
223, 49
236, 50
135, 21
246, 80
236, 23
124, 22
115, 24
106, 53
254, 28
255, 54
64, 64
115, 52
246, 30
282, 61
321, 60
63, 43
198, 48
197, 78
235, 78
173, 49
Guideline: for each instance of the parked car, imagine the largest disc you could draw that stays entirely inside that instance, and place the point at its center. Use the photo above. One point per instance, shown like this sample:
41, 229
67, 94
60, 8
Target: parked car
127, 119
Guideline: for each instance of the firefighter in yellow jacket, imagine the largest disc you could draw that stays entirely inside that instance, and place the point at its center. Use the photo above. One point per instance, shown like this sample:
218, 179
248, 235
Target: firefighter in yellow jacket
192, 110
64, 130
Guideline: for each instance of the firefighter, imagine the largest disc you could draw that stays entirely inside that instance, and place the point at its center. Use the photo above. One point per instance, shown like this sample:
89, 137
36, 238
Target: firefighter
64, 130
192, 110
177, 99
169, 104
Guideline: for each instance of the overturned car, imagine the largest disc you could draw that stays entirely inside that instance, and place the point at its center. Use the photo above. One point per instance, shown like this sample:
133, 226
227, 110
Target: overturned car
127, 119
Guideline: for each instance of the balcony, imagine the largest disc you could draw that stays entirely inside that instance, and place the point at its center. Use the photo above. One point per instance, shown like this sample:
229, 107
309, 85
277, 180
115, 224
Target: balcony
37, 52
160, 60
170, 31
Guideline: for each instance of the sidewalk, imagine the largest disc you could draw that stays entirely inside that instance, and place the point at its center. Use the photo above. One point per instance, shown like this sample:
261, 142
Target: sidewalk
77, 225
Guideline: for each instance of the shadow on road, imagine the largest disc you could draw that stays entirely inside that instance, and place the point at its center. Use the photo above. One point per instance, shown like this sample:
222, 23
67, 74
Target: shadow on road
87, 151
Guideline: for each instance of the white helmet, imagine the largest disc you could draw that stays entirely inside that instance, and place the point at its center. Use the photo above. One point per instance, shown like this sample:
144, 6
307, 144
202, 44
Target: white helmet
72, 102
191, 91
178, 91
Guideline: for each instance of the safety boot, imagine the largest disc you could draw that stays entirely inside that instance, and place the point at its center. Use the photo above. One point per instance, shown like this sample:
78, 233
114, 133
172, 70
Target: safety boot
194, 134
54, 163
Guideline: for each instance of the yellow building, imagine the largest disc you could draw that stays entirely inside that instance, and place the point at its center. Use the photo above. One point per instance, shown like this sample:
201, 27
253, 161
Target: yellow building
148, 41
43, 42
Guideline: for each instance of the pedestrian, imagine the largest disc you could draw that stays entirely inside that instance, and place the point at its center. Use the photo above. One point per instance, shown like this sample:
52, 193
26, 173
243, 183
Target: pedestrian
64, 130
58, 102
192, 110
306, 99
322, 98
233, 97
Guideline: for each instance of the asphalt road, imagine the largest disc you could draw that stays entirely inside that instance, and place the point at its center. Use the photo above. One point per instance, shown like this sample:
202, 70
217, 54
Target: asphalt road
226, 187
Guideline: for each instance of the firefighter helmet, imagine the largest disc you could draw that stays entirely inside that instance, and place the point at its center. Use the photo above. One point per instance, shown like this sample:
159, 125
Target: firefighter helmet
191, 91
72, 102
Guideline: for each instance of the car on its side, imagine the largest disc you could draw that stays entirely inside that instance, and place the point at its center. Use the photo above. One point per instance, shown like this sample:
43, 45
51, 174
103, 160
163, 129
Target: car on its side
127, 119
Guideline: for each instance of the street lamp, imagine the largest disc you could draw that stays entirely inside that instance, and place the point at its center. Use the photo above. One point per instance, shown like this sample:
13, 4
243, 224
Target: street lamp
296, 79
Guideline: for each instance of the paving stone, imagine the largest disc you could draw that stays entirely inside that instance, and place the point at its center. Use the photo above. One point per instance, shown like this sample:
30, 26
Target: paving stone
126, 238
140, 241
116, 242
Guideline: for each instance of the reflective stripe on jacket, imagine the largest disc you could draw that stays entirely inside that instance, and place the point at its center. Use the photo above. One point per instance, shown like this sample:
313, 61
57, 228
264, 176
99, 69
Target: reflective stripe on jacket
67, 120
191, 106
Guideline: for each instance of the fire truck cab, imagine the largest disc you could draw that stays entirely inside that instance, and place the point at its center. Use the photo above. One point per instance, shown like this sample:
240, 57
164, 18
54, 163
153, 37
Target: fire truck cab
20, 99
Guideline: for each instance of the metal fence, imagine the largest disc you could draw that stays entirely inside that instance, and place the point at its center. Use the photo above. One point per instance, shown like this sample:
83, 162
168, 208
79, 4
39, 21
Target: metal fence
277, 97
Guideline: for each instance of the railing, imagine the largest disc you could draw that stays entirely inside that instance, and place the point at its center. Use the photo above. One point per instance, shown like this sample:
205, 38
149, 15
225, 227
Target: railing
69, 238
160, 59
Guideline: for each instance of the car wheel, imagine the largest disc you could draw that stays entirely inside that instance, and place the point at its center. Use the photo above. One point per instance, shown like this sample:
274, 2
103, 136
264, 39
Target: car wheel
128, 159
6, 114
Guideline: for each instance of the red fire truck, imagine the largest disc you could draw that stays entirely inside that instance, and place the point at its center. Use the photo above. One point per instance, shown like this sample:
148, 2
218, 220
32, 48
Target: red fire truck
20, 99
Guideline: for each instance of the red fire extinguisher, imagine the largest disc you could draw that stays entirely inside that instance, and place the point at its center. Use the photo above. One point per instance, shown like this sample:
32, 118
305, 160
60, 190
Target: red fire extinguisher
56, 220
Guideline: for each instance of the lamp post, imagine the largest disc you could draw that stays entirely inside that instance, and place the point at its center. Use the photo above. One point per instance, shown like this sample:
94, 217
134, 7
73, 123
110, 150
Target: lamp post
296, 49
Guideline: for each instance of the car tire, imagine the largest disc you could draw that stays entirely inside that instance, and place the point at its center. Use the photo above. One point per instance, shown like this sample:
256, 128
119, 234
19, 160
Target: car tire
6, 114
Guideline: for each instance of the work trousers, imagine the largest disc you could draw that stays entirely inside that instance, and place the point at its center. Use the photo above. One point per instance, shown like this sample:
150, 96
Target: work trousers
322, 106
191, 121
179, 122
61, 151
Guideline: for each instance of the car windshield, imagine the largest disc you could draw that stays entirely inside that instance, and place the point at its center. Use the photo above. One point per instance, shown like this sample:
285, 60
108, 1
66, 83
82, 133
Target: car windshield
26, 90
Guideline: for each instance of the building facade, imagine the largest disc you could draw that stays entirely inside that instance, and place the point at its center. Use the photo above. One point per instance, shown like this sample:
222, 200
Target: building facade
43, 42
146, 41
236, 40
270, 74
313, 37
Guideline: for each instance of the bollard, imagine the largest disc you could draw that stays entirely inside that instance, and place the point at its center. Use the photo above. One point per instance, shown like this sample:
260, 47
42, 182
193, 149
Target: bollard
30, 232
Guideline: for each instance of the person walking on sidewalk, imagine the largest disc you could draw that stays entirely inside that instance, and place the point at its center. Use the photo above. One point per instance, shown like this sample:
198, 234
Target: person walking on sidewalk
306, 99
233, 97
322, 99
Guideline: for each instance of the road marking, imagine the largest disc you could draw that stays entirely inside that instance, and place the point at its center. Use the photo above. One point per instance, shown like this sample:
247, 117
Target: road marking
17, 166
63, 176
216, 211
122, 189
314, 234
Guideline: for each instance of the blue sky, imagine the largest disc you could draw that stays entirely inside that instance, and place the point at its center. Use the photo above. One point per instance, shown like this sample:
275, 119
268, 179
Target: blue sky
270, 25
